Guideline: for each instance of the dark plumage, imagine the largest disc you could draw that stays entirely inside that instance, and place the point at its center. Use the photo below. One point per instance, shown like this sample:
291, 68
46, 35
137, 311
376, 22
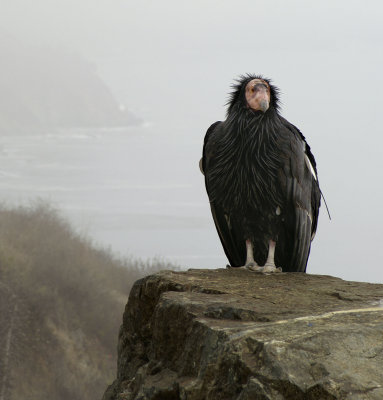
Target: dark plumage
261, 180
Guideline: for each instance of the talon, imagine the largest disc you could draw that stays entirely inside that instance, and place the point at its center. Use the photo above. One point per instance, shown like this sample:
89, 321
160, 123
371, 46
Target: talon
271, 269
253, 267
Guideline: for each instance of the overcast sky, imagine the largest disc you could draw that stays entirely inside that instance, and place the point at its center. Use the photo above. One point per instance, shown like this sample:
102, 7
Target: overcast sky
172, 63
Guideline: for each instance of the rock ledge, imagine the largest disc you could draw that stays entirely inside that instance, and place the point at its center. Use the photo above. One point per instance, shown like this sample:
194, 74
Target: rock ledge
234, 334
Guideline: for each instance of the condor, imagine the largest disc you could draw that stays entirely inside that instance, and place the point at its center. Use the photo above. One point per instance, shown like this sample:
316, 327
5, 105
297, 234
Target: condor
262, 182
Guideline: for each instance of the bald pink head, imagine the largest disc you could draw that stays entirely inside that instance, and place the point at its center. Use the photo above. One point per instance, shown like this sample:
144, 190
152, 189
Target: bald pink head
258, 95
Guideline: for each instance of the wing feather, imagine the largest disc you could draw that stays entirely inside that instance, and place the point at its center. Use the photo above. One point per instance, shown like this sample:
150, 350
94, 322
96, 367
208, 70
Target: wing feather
235, 250
227, 227
303, 201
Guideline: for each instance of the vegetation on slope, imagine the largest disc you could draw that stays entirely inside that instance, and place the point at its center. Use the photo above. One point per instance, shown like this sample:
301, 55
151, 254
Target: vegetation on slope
61, 302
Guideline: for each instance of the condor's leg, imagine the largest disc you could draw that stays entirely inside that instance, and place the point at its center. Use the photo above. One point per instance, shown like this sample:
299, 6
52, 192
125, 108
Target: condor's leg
270, 264
250, 263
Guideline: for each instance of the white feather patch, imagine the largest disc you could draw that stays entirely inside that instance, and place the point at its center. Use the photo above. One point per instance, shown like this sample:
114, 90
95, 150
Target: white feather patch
310, 167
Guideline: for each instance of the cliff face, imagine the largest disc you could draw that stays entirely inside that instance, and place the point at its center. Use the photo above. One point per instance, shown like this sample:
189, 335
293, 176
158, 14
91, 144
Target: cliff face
234, 334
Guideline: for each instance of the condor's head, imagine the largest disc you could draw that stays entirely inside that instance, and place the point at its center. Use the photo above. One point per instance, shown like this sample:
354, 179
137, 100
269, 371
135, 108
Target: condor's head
255, 93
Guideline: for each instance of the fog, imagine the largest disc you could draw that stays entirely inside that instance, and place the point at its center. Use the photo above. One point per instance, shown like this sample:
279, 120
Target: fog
171, 64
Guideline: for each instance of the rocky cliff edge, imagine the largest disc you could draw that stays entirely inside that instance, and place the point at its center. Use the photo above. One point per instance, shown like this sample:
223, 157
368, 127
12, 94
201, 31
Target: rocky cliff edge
235, 334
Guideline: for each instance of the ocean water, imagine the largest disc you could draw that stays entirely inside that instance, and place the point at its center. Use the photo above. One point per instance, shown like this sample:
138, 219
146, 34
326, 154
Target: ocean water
136, 190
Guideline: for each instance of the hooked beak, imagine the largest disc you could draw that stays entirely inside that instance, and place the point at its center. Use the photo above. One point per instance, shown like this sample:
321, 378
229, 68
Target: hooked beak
261, 99
264, 105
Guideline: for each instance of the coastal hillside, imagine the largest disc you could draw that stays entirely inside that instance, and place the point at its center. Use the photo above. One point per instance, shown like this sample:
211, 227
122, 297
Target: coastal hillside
45, 88
61, 302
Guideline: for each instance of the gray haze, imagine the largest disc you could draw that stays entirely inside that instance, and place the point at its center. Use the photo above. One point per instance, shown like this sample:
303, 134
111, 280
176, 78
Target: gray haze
171, 63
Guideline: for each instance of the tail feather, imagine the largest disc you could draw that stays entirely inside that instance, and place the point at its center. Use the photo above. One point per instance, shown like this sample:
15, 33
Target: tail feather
302, 242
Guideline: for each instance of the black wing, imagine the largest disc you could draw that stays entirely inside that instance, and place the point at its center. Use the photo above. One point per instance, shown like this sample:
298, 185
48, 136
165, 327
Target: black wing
227, 228
302, 194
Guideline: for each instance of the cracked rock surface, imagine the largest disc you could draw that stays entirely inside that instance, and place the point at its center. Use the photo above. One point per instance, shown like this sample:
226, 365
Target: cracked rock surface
233, 334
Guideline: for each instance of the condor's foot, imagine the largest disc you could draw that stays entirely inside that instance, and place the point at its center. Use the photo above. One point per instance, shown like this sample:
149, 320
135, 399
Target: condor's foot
254, 267
266, 269
251, 266
269, 269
